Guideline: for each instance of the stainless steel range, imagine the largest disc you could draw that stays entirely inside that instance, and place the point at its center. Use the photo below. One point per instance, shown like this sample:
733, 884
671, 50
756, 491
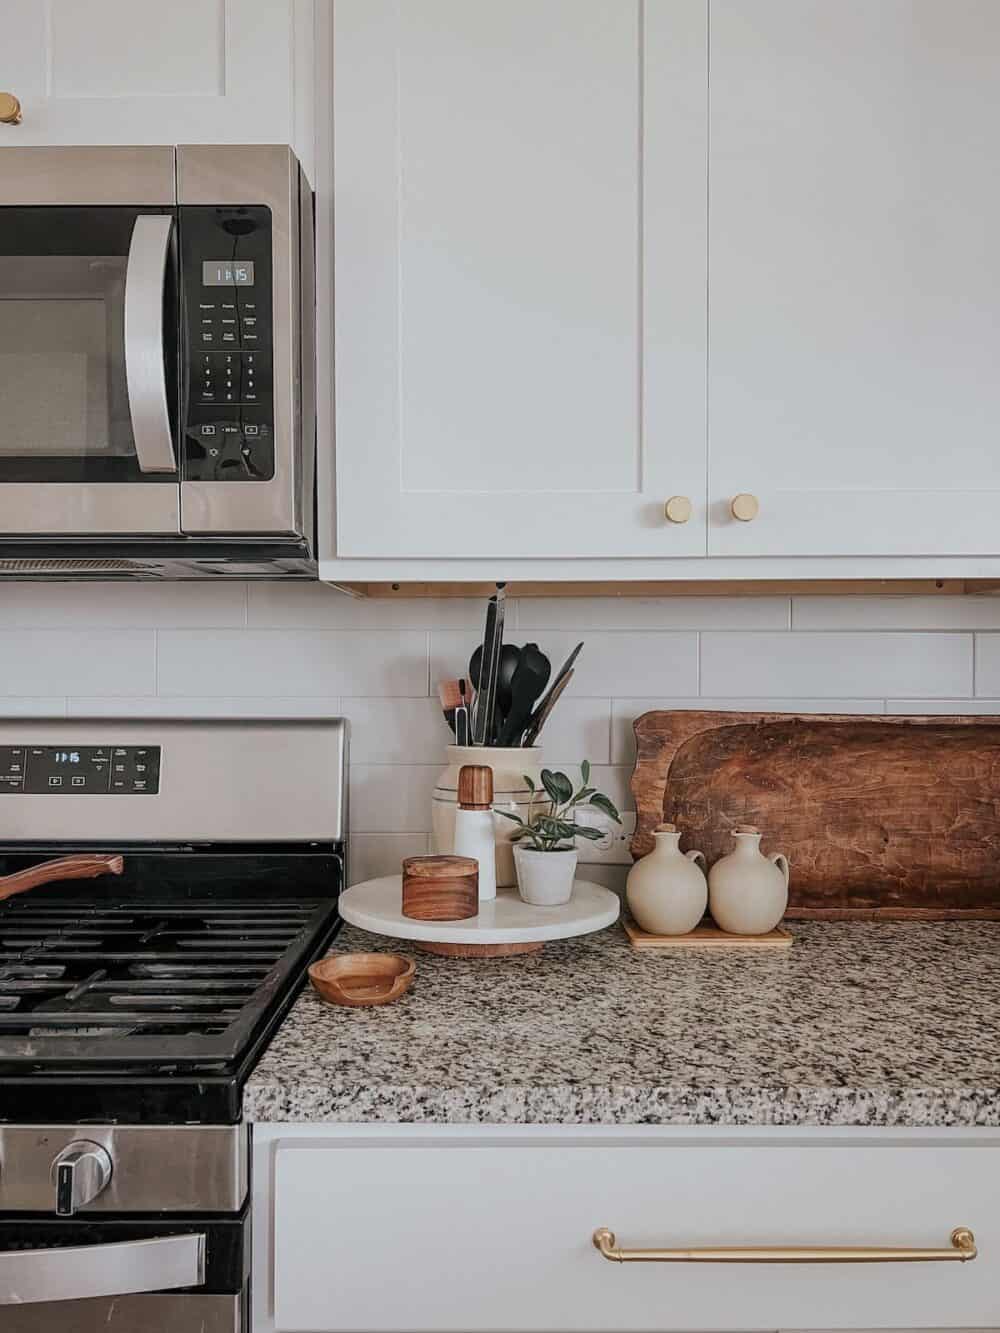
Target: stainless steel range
146, 956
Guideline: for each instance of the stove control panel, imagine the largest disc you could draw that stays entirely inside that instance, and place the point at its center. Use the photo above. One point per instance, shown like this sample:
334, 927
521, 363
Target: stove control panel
80, 770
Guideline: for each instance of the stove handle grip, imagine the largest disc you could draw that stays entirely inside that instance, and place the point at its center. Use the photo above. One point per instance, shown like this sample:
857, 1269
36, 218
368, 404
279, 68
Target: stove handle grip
64, 867
123, 1268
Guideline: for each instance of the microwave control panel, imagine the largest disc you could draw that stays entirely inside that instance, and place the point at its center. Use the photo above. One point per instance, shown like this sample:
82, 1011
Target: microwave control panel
80, 770
228, 334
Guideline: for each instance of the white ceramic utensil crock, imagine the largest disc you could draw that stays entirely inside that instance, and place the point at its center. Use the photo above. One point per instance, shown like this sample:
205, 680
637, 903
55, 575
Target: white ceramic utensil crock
510, 767
748, 891
666, 890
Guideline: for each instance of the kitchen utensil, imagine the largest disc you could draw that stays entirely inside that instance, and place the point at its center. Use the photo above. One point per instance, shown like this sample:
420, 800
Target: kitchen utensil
358, 979
509, 659
486, 678
705, 936
530, 679
567, 666
440, 888
63, 867
474, 835
462, 715
542, 713
748, 891
450, 697
882, 817
666, 891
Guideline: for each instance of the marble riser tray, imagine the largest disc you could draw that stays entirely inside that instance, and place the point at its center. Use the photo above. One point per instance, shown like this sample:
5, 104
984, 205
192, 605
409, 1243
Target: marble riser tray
505, 926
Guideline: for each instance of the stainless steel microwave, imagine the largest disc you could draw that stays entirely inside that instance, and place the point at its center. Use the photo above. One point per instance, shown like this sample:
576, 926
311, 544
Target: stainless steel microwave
157, 387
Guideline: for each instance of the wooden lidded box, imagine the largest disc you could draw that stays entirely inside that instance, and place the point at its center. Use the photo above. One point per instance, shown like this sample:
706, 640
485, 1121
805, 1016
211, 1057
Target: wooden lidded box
440, 888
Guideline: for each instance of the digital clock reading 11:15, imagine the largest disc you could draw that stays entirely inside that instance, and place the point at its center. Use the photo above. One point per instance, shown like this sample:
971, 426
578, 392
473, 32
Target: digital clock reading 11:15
227, 273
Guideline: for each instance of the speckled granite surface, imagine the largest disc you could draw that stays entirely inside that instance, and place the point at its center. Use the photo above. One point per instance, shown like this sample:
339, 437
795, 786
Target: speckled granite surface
857, 1024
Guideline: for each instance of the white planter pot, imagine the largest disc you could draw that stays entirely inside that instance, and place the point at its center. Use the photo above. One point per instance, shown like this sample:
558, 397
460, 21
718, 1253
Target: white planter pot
545, 879
509, 793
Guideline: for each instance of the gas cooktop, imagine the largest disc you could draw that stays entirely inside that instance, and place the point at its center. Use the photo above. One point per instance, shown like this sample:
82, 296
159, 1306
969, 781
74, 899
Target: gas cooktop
145, 995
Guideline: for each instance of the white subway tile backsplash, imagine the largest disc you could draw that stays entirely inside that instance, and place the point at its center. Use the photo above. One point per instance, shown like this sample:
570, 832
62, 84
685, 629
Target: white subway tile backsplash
392, 798
894, 613
577, 729
987, 665
317, 606
122, 605
943, 707
836, 664
611, 663
292, 662
27, 706
653, 613
304, 650
373, 855
40, 662
397, 731
625, 712
157, 706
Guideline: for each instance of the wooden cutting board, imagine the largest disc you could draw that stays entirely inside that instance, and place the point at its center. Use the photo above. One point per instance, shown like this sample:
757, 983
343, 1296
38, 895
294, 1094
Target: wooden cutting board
880, 816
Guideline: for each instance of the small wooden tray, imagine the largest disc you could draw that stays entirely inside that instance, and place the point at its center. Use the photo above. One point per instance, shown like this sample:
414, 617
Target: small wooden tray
359, 979
707, 936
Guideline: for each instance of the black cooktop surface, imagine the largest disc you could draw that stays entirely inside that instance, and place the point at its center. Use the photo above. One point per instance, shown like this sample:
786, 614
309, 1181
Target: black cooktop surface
149, 998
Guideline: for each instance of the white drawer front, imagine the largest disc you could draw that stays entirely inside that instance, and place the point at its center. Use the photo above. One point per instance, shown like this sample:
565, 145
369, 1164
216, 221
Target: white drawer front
455, 1237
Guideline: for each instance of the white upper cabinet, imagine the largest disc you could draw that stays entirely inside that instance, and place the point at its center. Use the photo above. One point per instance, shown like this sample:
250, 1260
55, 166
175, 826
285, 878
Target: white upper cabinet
151, 71
854, 276
519, 190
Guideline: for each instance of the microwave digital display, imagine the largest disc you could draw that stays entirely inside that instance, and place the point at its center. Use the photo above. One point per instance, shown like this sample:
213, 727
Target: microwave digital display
227, 273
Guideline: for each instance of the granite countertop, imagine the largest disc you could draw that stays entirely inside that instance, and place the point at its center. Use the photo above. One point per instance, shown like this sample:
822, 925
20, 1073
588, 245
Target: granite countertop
857, 1024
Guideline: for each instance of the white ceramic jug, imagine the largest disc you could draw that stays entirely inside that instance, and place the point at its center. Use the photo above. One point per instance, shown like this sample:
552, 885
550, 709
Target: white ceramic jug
666, 891
748, 891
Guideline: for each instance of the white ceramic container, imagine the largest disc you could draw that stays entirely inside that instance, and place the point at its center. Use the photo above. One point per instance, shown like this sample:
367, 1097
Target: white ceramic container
666, 891
545, 879
510, 767
748, 891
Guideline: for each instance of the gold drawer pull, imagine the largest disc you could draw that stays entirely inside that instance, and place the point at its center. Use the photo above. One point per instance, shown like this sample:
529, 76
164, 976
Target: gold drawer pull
963, 1248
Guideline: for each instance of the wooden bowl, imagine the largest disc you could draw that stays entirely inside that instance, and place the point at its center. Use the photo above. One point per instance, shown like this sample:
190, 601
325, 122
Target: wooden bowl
362, 978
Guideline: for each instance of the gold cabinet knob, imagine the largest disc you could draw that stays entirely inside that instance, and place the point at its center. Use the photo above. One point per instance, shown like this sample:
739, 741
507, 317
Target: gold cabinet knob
10, 109
744, 507
678, 509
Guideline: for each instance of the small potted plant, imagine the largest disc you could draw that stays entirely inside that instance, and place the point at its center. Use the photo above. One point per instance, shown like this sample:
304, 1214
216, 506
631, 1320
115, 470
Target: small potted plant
544, 852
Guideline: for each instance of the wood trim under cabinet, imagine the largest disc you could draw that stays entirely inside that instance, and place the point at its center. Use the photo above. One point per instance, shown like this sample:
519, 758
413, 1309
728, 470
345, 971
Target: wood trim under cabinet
685, 588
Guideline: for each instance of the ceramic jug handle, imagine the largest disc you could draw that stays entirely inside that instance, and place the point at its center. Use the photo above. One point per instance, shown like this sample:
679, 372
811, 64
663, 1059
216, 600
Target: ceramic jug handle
781, 861
698, 857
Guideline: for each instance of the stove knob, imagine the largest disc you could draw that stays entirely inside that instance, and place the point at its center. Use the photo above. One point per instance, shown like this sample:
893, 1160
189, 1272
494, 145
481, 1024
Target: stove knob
80, 1172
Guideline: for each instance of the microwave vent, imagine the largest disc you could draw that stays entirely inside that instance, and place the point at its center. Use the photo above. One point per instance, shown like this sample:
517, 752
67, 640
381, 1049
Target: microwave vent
107, 566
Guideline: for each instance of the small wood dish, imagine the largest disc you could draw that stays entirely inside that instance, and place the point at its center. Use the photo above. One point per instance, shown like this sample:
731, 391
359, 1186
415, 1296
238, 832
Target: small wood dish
357, 979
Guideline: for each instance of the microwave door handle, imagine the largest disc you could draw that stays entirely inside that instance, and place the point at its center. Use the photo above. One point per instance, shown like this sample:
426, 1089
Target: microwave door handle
122, 1268
145, 356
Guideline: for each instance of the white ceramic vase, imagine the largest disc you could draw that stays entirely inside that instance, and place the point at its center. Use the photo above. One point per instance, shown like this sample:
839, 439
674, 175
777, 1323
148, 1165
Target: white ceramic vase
666, 890
545, 879
510, 767
748, 891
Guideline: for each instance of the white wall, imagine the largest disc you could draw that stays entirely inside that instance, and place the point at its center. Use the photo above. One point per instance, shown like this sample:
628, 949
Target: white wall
231, 649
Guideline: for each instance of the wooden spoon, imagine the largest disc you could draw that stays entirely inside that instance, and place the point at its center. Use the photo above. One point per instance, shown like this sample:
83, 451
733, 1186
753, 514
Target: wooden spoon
64, 867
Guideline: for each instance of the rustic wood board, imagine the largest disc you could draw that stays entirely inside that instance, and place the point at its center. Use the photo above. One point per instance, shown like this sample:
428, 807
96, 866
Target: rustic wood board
880, 816
706, 936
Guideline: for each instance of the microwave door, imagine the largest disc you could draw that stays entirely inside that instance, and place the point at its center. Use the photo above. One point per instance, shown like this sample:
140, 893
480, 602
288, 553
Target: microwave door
88, 366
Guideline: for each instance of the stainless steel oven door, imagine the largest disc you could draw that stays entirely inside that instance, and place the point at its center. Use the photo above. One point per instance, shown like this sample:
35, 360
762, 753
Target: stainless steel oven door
88, 343
160, 1313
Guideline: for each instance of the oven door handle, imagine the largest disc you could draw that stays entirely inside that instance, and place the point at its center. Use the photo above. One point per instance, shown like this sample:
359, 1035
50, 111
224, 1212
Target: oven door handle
145, 350
119, 1269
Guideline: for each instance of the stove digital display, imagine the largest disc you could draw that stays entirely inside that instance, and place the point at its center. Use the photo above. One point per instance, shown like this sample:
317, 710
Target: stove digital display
59, 770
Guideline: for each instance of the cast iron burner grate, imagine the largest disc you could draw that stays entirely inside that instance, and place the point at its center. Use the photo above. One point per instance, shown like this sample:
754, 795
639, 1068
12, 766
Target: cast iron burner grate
160, 982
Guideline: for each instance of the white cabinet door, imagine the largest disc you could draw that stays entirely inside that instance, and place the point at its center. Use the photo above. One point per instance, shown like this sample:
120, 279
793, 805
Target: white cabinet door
149, 71
854, 276
520, 276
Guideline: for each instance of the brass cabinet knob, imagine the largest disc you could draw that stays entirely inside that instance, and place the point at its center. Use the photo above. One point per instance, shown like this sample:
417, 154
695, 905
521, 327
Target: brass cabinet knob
10, 109
744, 507
678, 509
